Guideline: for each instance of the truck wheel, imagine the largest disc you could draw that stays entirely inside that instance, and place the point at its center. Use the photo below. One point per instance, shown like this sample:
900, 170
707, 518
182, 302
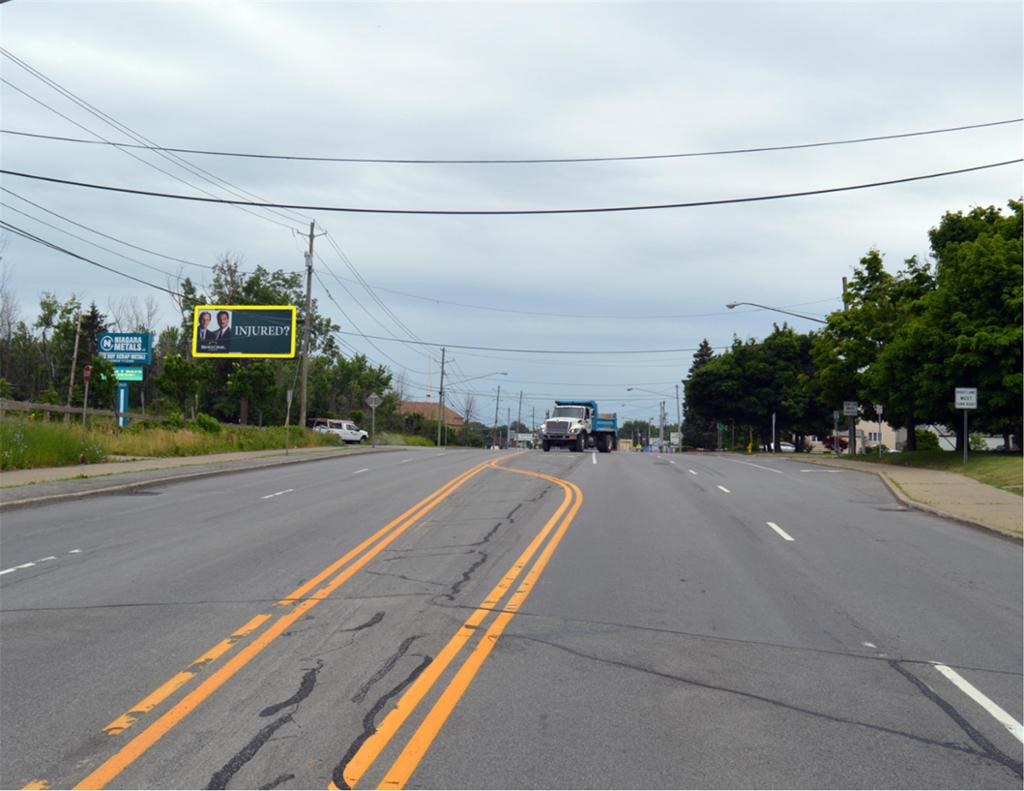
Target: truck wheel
545, 445
581, 442
605, 443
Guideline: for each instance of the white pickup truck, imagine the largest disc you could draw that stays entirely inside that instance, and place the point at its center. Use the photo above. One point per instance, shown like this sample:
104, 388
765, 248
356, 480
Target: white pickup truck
345, 429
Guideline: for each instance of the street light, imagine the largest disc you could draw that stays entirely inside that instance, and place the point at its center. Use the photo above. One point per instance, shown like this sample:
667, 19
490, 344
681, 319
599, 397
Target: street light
652, 392
732, 305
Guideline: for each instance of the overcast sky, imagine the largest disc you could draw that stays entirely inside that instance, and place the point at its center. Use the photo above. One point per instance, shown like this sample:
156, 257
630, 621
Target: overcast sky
514, 81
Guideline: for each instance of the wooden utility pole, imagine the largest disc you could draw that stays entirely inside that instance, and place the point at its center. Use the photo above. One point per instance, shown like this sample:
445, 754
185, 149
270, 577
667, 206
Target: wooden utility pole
440, 401
519, 420
305, 334
74, 362
497, 405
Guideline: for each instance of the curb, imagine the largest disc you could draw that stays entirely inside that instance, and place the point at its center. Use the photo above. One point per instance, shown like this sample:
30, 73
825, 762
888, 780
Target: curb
914, 505
10, 505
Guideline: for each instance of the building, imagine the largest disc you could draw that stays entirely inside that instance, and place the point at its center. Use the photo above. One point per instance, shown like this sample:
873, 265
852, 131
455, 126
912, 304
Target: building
428, 411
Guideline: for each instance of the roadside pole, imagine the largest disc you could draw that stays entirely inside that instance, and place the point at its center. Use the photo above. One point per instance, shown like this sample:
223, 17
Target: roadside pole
87, 371
679, 420
287, 419
851, 409
373, 401
835, 431
878, 411
494, 432
966, 398
773, 433
74, 362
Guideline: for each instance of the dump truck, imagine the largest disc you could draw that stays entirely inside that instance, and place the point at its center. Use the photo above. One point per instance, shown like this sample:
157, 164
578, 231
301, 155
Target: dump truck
577, 425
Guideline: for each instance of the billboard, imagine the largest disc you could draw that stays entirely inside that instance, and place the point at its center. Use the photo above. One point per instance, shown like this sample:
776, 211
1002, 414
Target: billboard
130, 348
243, 331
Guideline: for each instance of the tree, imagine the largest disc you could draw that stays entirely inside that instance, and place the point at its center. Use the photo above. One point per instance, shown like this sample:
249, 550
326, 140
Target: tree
698, 430
179, 381
968, 333
253, 385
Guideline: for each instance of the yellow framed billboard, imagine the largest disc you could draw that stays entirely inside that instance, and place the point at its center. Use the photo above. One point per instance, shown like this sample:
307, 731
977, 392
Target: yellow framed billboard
241, 331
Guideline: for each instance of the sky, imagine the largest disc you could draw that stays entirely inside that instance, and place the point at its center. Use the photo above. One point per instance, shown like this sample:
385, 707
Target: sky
480, 80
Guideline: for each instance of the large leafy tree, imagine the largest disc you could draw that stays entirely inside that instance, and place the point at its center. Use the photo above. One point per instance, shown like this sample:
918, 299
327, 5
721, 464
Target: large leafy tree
698, 430
967, 332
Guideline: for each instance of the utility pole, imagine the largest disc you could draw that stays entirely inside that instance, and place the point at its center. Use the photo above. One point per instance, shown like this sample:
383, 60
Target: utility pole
519, 420
679, 420
305, 334
661, 426
74, 362
533, 419
440, 400
497, 404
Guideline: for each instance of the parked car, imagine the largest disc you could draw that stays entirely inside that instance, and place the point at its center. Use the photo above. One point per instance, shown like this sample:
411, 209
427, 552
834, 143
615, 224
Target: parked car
787, 447
345, 429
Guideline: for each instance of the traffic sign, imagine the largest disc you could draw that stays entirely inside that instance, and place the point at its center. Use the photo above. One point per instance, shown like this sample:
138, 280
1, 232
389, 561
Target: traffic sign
851, 408
128, 373
133, 348
878, 409
88, 372
373, 400
966, 397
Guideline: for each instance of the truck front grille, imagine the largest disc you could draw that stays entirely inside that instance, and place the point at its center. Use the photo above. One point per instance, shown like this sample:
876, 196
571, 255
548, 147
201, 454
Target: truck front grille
558, 427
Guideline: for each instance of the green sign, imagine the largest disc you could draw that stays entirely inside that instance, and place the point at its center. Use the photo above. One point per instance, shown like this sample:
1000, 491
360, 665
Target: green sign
124, 373
243, 331
722, 427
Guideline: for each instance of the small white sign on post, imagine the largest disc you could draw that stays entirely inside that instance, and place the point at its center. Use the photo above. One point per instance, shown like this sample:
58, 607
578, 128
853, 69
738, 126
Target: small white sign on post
851, 408
966, 397
676, 438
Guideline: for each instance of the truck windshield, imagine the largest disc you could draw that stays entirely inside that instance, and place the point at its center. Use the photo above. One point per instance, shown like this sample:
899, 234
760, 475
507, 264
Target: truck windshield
569, 411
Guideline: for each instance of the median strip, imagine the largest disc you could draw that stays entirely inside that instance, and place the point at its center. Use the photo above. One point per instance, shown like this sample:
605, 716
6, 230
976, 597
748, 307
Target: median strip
418, 745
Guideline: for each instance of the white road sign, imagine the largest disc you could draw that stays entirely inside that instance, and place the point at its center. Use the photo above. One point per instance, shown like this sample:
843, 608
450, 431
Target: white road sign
851, 408
373, 400
966, 397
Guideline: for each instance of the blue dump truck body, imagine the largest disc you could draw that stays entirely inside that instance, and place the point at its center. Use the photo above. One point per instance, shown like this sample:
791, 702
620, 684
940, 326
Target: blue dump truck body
578, 425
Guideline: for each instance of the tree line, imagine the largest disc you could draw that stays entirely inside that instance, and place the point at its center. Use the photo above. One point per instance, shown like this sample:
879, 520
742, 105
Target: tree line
902, 340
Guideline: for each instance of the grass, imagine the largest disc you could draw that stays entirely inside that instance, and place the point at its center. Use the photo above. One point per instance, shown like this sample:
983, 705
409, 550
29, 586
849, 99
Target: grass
387, 438
188, 442
28, 444
1002, 470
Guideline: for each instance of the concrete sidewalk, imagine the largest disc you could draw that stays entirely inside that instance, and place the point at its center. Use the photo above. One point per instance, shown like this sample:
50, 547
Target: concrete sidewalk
48, 484
947, 494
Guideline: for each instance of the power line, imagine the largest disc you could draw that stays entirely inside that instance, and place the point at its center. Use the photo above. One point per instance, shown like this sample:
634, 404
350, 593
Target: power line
506, 212
124, 129
39, 240
108, 236
94, 244
526, 351
551, 160
595, 316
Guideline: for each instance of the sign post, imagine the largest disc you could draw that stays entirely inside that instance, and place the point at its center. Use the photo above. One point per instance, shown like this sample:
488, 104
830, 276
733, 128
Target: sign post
122, 404
87, 373
878, 411
851, 409
287, 419
835, 431
373, 401
966, 398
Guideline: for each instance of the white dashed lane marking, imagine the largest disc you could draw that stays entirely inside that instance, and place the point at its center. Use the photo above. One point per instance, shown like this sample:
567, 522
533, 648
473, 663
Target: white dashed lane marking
724, 489
32, 563
692, 472
276, 494
365, 469
780, 531
982, 700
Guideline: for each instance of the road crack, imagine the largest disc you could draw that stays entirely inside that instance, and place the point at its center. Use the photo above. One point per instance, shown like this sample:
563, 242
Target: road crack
369, 721
223, 776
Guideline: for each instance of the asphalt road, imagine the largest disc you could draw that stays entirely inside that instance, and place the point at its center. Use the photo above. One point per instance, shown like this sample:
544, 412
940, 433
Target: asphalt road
444, 621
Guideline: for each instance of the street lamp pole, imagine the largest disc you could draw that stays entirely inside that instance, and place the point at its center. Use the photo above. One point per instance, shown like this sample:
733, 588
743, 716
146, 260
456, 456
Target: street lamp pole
732, 305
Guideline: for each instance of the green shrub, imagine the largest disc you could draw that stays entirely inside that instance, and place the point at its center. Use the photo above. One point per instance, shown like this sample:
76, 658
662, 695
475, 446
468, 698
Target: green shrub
204, 422
174, 420
926, 440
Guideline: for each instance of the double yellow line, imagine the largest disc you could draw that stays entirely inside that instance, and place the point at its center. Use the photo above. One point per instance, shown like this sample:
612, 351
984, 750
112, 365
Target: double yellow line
420, 741
297, 603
